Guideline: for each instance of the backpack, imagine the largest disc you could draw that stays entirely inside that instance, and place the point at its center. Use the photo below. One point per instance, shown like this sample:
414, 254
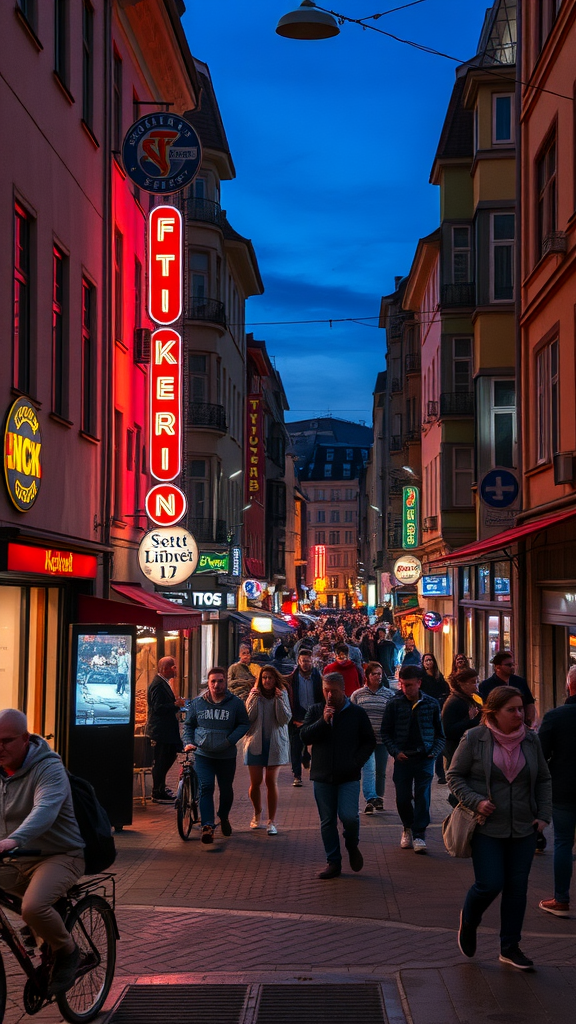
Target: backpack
94, 825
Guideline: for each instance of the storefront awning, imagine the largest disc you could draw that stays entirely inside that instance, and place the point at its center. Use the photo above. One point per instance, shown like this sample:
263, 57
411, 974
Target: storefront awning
279, 626
139, 608
500, 541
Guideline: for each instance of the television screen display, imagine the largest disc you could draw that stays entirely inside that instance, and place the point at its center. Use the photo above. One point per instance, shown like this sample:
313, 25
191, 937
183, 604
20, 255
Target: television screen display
103, 678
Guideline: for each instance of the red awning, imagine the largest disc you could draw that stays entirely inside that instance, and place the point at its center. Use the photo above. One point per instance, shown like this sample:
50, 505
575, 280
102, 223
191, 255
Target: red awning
138, 608
502, 540
169, 615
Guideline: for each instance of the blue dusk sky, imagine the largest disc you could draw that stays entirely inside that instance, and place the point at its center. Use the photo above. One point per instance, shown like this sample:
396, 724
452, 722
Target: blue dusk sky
333, 142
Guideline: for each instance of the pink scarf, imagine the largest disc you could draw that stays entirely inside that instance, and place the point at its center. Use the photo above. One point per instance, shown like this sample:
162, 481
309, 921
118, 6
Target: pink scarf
507, 754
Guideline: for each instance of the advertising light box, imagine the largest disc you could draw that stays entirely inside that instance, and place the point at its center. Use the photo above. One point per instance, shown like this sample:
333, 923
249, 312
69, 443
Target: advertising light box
102, 677
436, 586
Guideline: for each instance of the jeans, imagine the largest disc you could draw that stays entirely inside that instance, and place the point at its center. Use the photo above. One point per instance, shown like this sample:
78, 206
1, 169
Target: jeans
564, 819
374, 774
413, 782
338, 801
500, 866
210, 770
296, 750
164, 757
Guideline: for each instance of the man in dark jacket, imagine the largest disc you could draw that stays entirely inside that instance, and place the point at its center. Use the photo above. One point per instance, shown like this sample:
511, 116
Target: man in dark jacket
558, 738
305, 689
342, 740
163, 728
412, 732
503, 675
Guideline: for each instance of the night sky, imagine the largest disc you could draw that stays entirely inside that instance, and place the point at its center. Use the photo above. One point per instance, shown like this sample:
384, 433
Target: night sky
333, 142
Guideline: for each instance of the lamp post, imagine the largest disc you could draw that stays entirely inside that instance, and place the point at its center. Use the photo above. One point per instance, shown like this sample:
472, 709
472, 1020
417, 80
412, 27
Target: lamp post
308, 22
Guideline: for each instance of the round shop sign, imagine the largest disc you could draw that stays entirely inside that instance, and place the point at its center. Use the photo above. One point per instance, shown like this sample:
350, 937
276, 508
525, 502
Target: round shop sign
252, 589
168, 555
23, 454
161, 153
166, 504
408, 569
432, 621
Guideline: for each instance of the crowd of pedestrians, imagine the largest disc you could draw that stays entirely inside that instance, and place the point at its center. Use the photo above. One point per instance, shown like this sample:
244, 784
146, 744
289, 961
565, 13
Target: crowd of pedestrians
342, 699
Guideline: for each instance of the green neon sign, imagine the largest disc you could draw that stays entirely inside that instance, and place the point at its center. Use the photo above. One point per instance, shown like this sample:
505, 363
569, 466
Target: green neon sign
410, 517
212, 561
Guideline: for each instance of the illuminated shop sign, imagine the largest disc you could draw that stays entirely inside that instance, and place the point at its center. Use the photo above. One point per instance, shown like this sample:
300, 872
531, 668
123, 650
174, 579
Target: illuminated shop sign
165, 265
50, 562
410, 517
23, 454
254, 449
161, 153
165, 504
436, 586
319, 555
213, 561
168, 555
165, 405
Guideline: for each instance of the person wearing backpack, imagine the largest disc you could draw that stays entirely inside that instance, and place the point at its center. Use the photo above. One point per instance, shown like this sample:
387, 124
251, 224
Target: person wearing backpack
36, 813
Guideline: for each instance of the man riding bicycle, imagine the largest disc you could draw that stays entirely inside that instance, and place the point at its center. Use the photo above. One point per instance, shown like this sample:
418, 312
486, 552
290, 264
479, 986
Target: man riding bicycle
36, 812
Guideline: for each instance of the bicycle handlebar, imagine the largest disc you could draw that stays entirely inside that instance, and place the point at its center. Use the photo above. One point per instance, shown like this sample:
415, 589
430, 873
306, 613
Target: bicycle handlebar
20, 852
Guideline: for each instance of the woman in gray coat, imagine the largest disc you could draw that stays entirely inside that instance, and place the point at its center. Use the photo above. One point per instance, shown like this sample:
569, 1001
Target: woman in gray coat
266, 744
500, 772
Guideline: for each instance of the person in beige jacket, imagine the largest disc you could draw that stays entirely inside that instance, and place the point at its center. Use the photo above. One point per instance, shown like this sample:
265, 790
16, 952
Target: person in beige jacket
242, 673
266, 745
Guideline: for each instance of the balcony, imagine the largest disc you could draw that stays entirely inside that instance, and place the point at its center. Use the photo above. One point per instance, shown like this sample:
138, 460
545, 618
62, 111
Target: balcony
432, 411
456, 404
395, 443
394, 539
413, 436
430, 524
212, 417
412, 362
395, 487
207, 531
209, 310
205, 210
396, 385
461, 294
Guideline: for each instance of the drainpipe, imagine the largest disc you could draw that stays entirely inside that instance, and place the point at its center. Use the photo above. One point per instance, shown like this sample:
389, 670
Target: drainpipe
521, 591
107, 355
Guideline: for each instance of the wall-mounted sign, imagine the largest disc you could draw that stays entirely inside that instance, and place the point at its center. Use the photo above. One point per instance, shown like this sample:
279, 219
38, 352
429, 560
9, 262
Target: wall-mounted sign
405, 601
436, 586
410, 517
22, 454
252, 589
236, 561
408, 569
51, 562
499, 488
165, 405
255, 461
319, 561
212, 561
207, 599
432, 621
168, 555
165, 265
166, 504
161, 153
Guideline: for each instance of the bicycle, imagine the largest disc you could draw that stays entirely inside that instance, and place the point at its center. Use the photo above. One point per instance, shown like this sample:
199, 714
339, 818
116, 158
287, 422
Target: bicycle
187, 797
88, 913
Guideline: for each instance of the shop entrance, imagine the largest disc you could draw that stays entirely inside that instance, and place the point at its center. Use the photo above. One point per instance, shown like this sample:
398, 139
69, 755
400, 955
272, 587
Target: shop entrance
30, 654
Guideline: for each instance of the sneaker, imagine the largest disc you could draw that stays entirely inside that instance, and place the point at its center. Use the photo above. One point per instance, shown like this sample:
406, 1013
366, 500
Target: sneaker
514, 956
406, 840
297, 782
419, 845
271, 829
255, 823
207, 834
378, 804
64, 971
555, 907
163, 799
369, 809
355, 857
225, 827
331, 870
466, 937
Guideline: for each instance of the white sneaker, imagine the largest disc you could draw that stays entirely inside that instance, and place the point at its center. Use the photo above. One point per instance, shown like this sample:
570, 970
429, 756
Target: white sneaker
419, 845
406, 841
255, 823
271, 829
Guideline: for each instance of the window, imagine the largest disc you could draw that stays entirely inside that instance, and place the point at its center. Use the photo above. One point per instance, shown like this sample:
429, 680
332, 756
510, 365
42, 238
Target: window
547, 403
461, 255
333, 560
61, 39
328, 470
462, 366
546, 193
349, 494
346, 471
21, 337
117, 105
484, 581
502, 118
118, 463
88, 358
329, 455
348, 536
334, 537
476, 129
198, 490
348, 517
463, 475
319, 495
335, 495
198, 378
118, 285
501, 581
364, 454
320, 536
335, 515
137, 465
547, 13
502, 257
504, 423
333, 582
58, 333
321, 516
28, 9
87, 62
198, 264
349, 454
137, 292
345, 558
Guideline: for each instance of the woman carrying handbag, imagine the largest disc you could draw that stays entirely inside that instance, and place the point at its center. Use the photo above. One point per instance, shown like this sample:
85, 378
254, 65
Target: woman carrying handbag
499, 771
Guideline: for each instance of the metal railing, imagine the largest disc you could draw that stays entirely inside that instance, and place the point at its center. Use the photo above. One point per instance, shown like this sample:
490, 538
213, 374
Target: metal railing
205, 210
457, 403
461, 294
202, 414
412, 362
396, 385
395, 443
394, 539
211, 310
207, 531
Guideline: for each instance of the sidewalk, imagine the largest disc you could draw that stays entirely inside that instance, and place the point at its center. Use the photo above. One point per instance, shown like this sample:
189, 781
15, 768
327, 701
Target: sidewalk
250, 911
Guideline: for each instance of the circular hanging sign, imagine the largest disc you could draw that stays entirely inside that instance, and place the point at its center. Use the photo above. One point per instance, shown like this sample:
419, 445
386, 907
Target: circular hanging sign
166, 504
168, 555
408, 569
252, 589
432, 621
23, 454
161, 153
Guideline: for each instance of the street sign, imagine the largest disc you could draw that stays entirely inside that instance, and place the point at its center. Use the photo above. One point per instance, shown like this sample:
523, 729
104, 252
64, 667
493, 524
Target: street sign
499, 488
166, 504
168, 555
410, 517
161, 153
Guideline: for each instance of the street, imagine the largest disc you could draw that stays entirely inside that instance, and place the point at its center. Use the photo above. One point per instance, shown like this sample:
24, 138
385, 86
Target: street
250, 912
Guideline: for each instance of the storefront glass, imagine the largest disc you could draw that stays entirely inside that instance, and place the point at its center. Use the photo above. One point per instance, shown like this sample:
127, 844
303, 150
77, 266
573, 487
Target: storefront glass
145, 671
10, 604
483, 582
502, 581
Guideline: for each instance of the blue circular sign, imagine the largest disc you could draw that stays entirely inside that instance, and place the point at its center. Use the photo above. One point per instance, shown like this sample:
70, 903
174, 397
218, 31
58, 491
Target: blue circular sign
499, 488
432, 621
161, 153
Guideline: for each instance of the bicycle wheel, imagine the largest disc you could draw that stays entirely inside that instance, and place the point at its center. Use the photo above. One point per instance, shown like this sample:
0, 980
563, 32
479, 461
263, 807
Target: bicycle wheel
91, 923
185, 809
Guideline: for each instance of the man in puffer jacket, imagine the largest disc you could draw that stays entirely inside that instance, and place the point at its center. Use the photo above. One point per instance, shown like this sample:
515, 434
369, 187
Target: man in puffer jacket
215, 722
36, 813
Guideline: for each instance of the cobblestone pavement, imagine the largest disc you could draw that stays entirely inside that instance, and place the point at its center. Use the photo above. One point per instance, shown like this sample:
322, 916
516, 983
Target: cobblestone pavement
251, 908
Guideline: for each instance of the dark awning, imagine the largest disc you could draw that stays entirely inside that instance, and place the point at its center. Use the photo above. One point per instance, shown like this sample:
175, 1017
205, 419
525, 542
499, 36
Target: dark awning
279, 626
137, 607
501, 541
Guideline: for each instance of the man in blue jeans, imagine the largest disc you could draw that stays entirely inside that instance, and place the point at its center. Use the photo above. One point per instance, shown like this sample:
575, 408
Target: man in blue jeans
342, 740
557, 735
412, 731
215, 722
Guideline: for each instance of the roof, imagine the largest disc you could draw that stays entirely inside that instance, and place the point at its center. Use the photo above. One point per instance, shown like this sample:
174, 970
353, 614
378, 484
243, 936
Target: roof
331, 429
327, 462
243, 247
380, 385
457, 136
208, 122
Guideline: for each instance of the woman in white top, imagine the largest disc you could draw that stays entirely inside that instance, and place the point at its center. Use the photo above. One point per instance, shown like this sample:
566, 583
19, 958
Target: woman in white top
266, 745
